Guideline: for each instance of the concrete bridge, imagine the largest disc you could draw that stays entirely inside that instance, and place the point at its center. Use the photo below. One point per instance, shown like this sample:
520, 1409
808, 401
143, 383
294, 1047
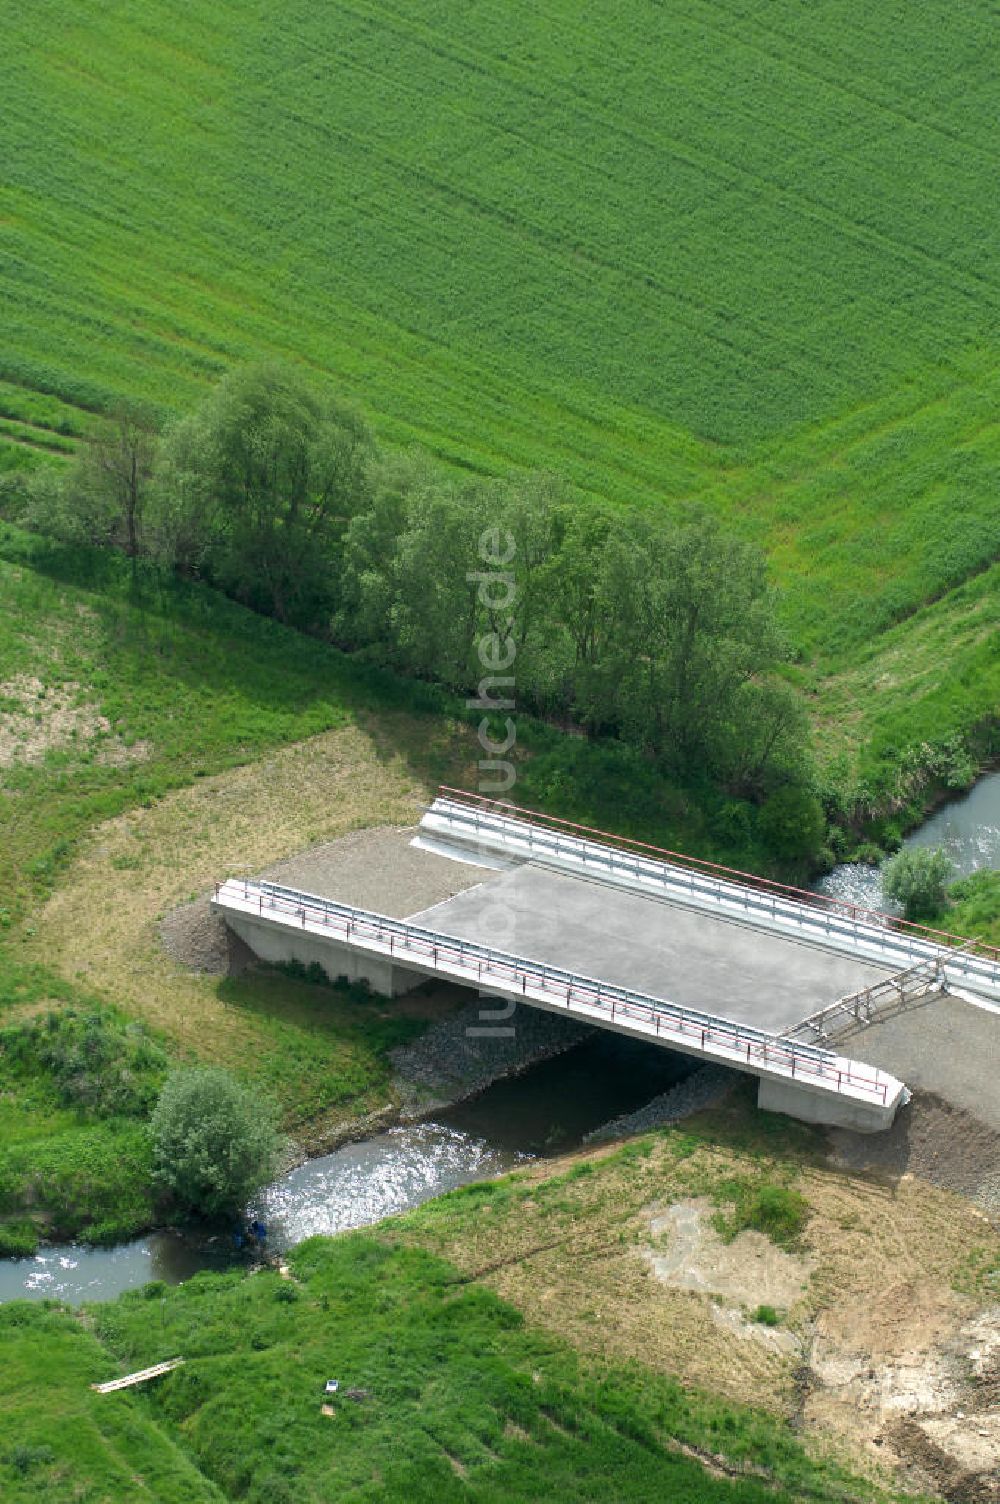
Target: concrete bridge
690, 957
808, 1081
684, 955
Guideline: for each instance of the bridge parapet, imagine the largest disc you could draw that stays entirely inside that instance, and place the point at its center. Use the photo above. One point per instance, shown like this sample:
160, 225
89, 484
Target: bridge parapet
483, 828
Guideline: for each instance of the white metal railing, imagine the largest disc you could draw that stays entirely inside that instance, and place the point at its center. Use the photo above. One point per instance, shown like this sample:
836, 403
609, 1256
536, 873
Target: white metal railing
823, 926
489, 969
891, 995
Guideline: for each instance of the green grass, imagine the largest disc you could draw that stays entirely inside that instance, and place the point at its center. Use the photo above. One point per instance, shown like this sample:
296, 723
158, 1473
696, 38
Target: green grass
60, 1442
777, 1211
200, 685
78, 1082
462, 1400
975, 907
695, 250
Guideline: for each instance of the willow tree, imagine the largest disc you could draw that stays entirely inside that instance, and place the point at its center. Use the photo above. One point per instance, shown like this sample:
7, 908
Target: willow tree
257, 487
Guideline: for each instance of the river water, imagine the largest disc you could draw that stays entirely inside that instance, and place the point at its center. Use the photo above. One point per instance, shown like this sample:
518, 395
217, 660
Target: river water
968, 830
546, 1110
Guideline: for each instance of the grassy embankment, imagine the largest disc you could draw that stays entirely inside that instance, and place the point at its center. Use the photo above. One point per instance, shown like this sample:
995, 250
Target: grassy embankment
513, 1343
763, 275
462, 1401
108, 707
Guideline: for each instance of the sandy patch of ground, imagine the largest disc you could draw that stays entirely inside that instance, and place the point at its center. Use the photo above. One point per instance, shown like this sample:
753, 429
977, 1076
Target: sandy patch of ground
102, 925
738, 1277
917, 1385
974, 1446
36, 718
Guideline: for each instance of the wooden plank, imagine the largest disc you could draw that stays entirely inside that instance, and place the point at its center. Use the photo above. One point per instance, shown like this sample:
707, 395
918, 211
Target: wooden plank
139, 1377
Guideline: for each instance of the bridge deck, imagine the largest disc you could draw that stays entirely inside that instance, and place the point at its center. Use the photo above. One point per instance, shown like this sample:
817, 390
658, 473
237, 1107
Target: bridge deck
697, 959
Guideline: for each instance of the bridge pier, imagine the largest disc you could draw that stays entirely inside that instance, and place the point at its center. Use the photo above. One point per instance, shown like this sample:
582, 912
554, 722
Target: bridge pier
280, 945
828, 1108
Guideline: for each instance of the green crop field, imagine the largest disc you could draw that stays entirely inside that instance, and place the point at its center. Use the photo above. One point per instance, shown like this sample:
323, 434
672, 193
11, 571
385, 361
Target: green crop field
736, 252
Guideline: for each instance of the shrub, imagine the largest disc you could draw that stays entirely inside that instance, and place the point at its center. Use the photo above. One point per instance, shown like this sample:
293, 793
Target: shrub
18, 1239
99, 1062
868, 854
777, 1211
766, 1316
792, 824
976, 905
214, 1142
916, 879
24, 1459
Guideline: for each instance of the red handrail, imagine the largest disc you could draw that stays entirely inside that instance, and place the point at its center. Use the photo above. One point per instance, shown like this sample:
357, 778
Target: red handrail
800, 895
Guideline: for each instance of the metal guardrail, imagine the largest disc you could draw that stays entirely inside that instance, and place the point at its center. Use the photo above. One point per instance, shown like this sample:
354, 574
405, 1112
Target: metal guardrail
734, 876
861, 1008
486, 967
823, 924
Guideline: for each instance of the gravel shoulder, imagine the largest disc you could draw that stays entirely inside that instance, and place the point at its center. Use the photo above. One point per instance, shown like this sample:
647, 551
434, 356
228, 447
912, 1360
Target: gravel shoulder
944, 1046
935, 1141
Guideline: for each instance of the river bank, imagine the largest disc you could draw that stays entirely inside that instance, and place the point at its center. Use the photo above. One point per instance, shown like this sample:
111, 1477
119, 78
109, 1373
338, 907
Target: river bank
544, 1108
966, 826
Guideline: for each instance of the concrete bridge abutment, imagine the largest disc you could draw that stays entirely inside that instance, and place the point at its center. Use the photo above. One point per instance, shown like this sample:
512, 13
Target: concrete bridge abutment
824, 1107
279, 945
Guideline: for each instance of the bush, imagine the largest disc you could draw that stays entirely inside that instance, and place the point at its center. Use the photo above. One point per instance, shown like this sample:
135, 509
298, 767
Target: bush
215, 1143
18, 1239
916, 879
792, 824
766, 1316
24, 1459
777, 1211
98, 1061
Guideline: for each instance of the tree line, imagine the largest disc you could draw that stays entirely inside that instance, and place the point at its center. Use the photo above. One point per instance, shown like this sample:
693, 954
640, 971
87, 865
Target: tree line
658, 630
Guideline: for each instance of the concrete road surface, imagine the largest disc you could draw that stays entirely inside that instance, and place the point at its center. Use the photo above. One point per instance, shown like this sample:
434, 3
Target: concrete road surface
679, 954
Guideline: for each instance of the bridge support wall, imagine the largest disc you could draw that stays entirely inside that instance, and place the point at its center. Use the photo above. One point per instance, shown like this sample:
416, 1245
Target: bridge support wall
834, 1110
279, 944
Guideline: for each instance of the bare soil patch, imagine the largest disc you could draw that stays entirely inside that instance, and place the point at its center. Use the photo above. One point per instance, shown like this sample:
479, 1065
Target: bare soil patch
688, 1253
918, 1386
738, 1277
36, 718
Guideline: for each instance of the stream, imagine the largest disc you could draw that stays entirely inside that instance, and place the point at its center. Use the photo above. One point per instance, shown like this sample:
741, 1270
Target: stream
967, 829
545, 1111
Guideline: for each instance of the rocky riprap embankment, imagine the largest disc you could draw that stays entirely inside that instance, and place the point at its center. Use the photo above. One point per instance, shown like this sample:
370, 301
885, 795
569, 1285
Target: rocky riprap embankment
703, 1088
452, 1061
